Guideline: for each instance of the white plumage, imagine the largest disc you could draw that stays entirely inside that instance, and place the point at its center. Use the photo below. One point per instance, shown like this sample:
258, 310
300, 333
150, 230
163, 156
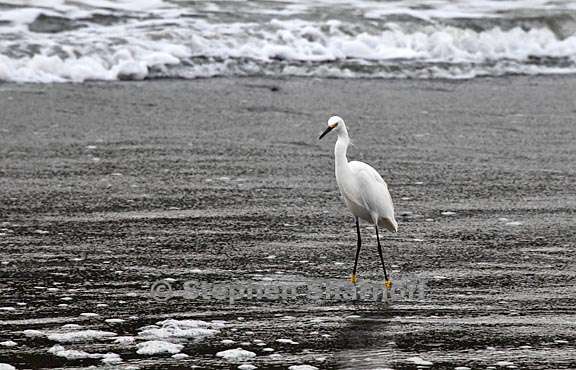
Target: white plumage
366, 195
364, 191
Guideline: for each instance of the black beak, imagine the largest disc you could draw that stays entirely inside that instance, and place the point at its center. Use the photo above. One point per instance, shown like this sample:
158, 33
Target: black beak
325, 132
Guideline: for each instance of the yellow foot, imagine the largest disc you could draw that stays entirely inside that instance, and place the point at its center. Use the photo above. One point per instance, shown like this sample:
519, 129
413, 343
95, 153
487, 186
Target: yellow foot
354, 279
388, 284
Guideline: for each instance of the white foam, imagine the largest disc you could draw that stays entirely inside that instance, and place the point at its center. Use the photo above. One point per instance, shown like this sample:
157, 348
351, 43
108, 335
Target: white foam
181, 329
89, 314
164, 35
79, 336
111, 359
8, 343
419, 361
286, 341
72, 354
4, 366
32, 333
124, 340
247, 367
154, 347
72, 326
180, 356
114, 321
236, 355
302, 367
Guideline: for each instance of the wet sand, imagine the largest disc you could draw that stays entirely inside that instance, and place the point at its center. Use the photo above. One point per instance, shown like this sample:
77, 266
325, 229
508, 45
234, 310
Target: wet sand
110, 187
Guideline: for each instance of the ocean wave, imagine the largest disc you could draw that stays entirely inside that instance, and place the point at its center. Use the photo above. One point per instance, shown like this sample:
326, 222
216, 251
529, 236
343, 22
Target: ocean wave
135, 40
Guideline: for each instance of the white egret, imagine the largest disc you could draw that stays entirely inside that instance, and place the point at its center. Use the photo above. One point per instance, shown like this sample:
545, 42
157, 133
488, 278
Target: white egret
364, 191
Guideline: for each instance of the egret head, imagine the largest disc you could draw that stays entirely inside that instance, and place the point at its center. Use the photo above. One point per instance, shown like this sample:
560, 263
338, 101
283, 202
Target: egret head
334, 123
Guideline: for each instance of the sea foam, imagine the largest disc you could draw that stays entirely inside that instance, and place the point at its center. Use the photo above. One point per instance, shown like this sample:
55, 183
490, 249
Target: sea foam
62, 42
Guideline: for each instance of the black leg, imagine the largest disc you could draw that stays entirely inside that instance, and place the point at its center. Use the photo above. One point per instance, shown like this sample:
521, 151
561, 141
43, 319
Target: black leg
354, 279
381, 255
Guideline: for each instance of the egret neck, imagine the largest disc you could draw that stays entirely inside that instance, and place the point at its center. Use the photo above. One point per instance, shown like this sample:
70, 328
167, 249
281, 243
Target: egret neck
341, 162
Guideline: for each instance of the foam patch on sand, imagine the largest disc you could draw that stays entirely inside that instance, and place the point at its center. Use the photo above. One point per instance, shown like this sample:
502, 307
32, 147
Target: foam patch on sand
180, 356
419, 361
70, 333
236, 355
89, 314
247, 367
114, 321
154, 347
286, 341
180, 329
32, 333
124, 340
72, 354
80, 336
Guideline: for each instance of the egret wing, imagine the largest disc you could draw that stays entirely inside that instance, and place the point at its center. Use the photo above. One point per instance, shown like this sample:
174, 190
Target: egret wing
374, 194
361, 166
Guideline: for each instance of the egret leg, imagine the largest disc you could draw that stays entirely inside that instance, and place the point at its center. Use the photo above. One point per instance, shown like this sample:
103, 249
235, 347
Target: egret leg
354, 278
387, 282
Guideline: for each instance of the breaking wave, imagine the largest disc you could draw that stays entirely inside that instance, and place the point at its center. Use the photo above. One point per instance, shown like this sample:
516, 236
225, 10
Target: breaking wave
136, 40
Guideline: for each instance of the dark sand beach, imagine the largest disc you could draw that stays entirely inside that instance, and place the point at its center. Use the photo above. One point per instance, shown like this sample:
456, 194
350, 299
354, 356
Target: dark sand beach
107, 188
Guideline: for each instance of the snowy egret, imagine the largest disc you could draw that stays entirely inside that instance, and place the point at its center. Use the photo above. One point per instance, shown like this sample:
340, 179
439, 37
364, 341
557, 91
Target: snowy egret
364, 191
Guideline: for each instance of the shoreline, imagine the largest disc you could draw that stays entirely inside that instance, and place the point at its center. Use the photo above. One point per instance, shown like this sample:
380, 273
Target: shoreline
514, 76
